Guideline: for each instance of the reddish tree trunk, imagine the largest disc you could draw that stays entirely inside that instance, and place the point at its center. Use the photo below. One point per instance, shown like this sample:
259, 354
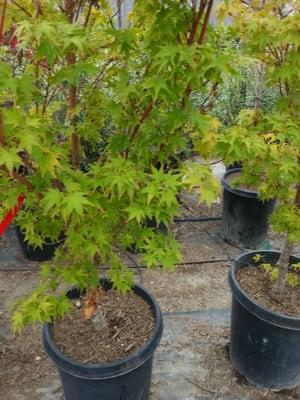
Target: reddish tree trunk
1, 129
72, 100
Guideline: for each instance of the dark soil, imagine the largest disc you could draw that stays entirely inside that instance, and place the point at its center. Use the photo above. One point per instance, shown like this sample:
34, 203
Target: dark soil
256, 282
234, 182
128, 324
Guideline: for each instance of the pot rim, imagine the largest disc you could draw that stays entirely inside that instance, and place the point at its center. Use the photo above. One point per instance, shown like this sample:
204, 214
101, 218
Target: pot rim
273, 317
237, 191
114, 368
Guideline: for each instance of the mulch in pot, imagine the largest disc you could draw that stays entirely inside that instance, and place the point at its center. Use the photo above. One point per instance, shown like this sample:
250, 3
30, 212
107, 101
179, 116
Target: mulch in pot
127, 323
233, 181
258, 285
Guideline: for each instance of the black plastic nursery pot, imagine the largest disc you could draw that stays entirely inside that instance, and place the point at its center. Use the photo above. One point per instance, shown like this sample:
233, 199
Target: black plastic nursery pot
265, 345
234, 165
244, 216
125, 379
46, 252
152, 223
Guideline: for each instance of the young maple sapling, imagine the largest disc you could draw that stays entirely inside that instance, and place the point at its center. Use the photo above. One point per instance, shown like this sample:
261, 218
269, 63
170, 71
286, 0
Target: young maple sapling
68, 59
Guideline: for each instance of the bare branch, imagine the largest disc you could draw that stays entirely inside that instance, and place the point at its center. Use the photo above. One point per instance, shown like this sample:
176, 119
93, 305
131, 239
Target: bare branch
21, 8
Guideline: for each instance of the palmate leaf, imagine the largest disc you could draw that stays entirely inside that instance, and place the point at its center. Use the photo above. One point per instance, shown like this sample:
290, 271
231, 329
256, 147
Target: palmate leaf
74, 203
28, 140
135, 212
122, 278
17, 321
53, 198
63, 305
9, 158
200, 177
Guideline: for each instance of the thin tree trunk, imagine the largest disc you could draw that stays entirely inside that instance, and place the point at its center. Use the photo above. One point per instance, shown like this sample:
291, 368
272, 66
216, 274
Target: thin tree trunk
283, 262
1, 129
71, 60
259, 86
283, 266
119, 9
205, 22
2, 19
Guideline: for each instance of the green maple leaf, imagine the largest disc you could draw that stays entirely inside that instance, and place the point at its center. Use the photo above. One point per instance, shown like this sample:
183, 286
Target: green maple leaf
28, 141
9, 158
17, 321
74, 203
53, 198
63, 306
135, 212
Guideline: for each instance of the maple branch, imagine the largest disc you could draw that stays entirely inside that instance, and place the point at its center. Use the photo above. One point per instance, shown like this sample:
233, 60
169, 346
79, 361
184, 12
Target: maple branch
210, 98
78, 10
88, 14
205, 22
1, 129
71, 60
37, 85
4, 5
20, 178
47, 99
69, 10
119, 12
38, 7
196, 22
143, 117
101, 73
297, 197
21, 8
191, 39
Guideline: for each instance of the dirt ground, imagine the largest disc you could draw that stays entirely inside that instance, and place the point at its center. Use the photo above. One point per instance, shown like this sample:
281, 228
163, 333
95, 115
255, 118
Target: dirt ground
192, 362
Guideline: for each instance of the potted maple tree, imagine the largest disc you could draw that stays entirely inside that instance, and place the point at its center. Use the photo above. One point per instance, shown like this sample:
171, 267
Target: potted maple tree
265, 327
68, 59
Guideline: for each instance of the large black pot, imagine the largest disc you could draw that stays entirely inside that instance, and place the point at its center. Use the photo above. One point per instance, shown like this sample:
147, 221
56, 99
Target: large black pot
234, 165
265, 346
44, 253
245, 216
126, 379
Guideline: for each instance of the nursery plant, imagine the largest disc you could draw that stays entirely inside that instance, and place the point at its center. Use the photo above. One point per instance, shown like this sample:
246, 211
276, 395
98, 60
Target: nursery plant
268, 144
66, 73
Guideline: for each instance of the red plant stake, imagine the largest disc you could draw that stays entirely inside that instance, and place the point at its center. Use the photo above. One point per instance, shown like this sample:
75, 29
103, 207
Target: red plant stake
11, 215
